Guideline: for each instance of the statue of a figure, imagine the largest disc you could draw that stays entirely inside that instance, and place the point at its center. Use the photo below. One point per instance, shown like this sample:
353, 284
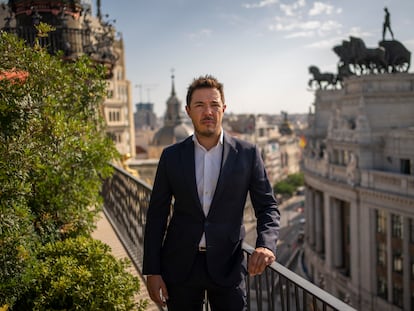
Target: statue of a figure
351, 169
387, 25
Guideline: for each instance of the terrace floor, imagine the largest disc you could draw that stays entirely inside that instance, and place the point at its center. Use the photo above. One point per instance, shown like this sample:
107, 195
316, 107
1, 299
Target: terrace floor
105, 233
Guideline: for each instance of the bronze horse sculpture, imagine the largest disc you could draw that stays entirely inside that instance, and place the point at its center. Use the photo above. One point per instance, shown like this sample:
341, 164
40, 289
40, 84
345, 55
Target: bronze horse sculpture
323, 80
397, 56
370, 60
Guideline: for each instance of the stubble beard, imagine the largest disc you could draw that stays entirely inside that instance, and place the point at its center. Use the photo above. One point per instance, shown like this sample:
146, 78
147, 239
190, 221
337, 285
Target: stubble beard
206, 133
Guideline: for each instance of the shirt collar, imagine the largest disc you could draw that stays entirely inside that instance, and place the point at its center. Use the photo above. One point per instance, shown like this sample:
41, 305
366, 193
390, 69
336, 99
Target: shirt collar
220, 141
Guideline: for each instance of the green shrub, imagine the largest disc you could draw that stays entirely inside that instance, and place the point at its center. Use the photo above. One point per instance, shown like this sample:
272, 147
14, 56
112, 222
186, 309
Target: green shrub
80, 274
284, 188
296, 180
288, 186
54, 154
17, 242
53, 142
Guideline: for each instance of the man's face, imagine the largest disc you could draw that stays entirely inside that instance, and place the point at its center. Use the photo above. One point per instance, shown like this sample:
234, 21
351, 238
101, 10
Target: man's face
206, 111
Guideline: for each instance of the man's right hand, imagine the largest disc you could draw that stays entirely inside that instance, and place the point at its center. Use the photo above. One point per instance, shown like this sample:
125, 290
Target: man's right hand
157, 289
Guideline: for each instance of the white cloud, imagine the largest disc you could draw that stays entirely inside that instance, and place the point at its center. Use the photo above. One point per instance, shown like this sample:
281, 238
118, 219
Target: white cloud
261, 4
284, 24
300, 34
329, 26
357, 32
321, 8
202, 33
308, 28
291, 10
325, 44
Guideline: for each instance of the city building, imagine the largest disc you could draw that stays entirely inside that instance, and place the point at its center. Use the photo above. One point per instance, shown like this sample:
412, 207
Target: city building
276, 140
117, 106
174, 129
144, 117
359, 179
78, 32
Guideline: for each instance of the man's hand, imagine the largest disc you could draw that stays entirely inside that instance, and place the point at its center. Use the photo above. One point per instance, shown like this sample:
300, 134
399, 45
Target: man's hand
157, 289
259, 260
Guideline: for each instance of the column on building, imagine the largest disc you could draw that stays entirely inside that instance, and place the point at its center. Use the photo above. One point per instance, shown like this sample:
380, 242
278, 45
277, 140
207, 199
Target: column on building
357, 230
368, 250
329, 239
407, 264
307, 209
337, 234
389, 257
311, 219
319, 222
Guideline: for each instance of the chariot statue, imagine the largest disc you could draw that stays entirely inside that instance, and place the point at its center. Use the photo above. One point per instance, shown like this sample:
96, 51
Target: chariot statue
355, 58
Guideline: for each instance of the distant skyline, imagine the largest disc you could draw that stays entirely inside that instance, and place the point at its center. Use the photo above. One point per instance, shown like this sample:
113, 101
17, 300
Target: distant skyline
259, 49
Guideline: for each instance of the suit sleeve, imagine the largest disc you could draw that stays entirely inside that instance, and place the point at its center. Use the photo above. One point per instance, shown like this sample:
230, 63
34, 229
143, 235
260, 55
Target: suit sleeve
265, 205
157, 218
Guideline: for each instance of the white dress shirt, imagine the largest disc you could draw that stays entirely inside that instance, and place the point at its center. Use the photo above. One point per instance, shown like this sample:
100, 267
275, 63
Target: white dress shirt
207, 170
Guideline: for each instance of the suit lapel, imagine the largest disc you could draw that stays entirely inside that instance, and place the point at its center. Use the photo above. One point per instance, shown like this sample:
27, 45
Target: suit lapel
189, 170
229, 158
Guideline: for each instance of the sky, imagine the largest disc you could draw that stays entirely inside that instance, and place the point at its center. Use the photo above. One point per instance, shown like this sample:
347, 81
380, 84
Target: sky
259, 49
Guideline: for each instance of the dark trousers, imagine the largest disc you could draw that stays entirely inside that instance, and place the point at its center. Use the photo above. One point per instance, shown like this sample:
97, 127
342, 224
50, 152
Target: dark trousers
189, 296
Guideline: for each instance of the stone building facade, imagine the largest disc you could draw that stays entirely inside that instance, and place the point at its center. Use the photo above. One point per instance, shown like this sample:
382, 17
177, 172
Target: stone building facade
117, 107
359, 178
78, 32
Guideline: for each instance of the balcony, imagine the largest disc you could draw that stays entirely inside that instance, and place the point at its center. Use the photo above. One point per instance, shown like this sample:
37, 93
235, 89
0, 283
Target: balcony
380, 181
374, 180
126, 202
76, 32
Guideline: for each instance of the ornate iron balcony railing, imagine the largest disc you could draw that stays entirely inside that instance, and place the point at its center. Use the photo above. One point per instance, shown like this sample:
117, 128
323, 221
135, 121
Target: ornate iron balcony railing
126, 200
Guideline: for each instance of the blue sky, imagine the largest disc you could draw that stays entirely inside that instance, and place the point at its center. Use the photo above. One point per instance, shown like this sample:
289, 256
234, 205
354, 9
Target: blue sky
259, 49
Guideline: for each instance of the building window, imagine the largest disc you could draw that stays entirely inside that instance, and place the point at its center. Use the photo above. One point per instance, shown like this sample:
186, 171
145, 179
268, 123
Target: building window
412, 300
116, 137
411, 231
397, 292
346, 158
335, 157
397, 262
396, 226
381, 222
412, 270
114, 116
262, 132
405, 166
382, 254
110, 94
382, 288
119, 75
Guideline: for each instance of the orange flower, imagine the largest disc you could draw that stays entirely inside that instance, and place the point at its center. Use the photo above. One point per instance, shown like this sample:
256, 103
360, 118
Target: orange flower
14, 75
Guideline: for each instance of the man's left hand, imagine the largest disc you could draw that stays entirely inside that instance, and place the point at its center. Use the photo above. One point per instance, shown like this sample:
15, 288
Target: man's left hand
259, 260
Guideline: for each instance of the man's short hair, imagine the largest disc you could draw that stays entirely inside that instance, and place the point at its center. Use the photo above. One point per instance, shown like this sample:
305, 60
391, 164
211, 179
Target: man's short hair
206, 81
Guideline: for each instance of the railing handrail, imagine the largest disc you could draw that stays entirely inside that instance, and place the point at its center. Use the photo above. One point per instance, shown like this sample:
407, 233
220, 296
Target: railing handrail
311, 288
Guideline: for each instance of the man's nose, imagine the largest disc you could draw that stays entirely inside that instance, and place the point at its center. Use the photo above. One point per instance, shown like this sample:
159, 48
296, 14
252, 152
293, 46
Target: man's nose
208, 109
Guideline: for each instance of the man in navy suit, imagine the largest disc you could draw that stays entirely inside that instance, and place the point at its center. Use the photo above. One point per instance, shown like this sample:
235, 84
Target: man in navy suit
196, 246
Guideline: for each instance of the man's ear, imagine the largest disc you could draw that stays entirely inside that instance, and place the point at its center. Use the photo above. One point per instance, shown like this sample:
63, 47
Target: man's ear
187, 109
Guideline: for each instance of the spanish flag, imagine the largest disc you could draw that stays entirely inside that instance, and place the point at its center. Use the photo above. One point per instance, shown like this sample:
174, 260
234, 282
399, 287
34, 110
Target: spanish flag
302, 141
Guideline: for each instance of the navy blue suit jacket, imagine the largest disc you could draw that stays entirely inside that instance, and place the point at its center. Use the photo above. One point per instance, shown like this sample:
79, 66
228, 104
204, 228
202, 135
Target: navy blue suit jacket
170, 246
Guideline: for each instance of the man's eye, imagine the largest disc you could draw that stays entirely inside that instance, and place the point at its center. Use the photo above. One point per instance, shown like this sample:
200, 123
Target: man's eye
216, 106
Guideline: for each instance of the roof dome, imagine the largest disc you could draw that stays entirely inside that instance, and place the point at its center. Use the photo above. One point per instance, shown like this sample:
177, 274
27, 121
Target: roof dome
169, 135
174, 129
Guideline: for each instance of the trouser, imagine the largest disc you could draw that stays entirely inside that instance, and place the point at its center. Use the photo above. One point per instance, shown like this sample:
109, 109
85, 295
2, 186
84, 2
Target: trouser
190, 295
